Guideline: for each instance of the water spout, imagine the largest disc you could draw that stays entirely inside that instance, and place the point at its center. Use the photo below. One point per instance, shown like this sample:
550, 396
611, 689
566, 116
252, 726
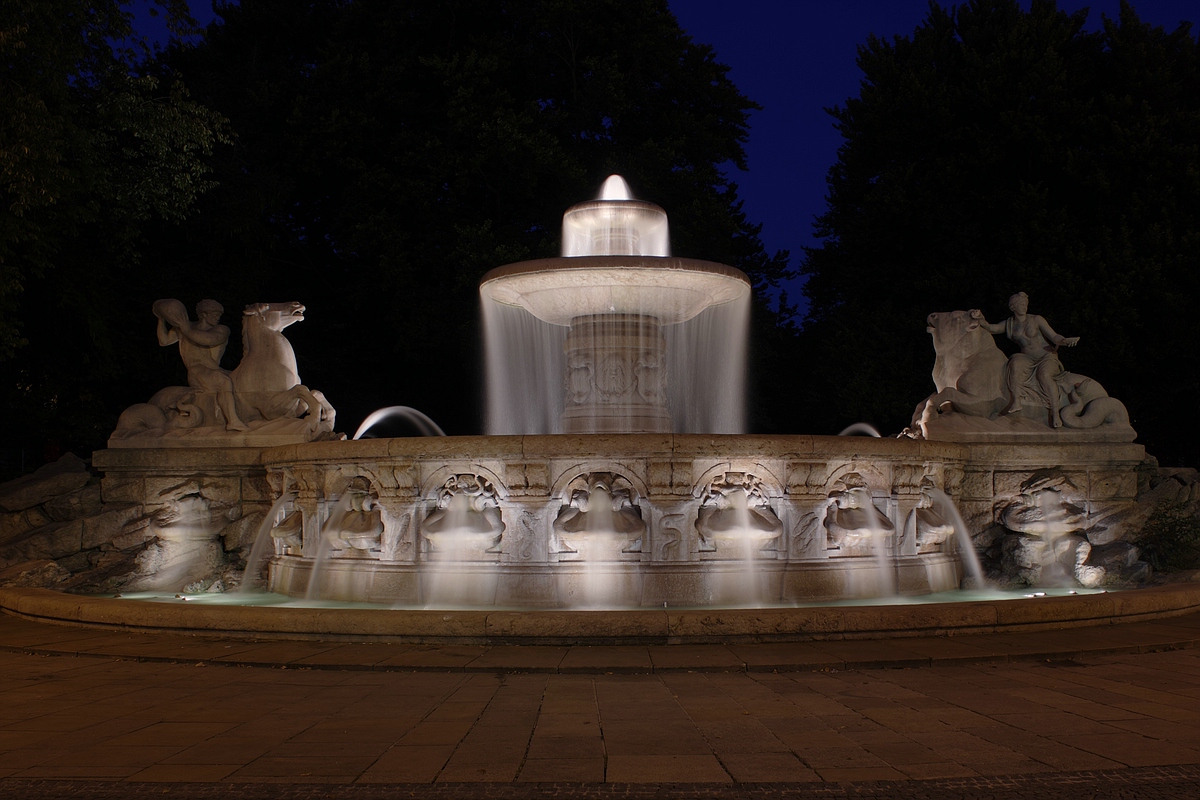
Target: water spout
879, 544
615, 224
746, 589
615, 188
262, 541
462, 537
966, 547
597, 590
420, 421
325, 546
1054, 530
861, 429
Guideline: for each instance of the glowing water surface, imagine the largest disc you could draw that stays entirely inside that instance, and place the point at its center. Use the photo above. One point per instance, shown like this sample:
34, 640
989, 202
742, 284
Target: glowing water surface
1032, 594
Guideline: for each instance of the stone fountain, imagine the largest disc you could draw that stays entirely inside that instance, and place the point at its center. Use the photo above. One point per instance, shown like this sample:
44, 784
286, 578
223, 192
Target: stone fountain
635, 340
616, 473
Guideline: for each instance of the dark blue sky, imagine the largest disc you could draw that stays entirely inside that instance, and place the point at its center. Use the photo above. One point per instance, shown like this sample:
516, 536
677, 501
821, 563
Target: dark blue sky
795, 58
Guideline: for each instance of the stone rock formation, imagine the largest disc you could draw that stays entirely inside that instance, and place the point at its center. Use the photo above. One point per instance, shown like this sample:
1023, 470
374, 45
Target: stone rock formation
59, 529
1044, 535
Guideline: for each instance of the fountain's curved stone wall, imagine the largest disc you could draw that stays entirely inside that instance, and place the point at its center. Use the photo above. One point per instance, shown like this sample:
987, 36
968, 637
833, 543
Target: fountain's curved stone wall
671, 482
615, 520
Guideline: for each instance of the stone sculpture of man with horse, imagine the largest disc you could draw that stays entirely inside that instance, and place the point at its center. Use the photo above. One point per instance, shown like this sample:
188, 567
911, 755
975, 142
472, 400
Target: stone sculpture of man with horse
262, 397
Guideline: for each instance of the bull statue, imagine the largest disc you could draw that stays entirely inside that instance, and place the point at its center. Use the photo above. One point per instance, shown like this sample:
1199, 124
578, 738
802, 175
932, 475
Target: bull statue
980, 390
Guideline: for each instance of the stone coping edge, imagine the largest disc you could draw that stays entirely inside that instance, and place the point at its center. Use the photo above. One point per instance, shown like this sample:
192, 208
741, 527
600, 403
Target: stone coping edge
649, 626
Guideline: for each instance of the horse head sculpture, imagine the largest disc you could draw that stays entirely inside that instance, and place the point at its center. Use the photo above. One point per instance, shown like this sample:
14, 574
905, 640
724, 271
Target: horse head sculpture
266, 382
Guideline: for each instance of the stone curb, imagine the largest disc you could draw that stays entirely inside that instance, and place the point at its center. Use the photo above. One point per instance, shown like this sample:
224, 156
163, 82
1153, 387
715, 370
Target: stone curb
666, 626
829, 664
1149, 783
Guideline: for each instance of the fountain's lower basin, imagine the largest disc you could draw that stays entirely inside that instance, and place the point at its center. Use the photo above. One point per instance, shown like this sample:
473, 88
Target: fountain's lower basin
613, 585
936, 615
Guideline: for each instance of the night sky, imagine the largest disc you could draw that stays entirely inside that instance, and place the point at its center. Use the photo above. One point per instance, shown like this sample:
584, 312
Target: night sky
795, 58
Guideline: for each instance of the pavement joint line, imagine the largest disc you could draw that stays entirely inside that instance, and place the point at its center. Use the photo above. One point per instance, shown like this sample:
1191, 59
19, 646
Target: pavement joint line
906, 662
1149, 783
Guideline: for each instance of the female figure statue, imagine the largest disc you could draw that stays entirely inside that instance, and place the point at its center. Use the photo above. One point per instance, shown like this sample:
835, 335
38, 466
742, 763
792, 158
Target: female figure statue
1035, 370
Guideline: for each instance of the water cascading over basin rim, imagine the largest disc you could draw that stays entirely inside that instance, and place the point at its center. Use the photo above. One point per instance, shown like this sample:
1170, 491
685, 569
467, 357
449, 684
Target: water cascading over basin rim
671, 289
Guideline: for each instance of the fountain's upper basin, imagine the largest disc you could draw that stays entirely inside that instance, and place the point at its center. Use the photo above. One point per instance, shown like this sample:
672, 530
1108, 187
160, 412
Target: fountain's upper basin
557, 290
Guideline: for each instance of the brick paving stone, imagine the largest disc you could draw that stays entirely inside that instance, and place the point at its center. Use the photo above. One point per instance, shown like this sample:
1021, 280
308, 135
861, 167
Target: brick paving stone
858, 774
694, 657
408, 764
185, 773
567, 725
867, 653
107, 755
548, 770
1155, 783
465, 721
941, 769
1133, 749
76, 772
519, 658
160, 733
353, 655
547, 748
224, 750
275, 653
767, 768
591, 659
785, 656
665, 769
444, 657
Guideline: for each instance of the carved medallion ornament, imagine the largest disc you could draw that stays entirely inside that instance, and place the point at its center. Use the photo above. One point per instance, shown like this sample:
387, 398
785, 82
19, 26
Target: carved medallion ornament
615, 377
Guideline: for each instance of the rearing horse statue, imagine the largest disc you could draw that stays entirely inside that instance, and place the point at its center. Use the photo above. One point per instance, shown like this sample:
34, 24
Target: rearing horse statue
266, 383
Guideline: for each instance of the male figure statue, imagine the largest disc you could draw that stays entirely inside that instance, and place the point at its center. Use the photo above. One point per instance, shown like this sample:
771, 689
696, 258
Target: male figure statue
201, 345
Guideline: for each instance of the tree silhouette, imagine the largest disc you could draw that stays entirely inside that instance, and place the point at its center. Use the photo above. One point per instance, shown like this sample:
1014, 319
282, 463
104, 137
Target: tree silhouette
997, 150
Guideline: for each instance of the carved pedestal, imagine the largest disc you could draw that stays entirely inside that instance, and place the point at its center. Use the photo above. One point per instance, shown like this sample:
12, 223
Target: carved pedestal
616, 375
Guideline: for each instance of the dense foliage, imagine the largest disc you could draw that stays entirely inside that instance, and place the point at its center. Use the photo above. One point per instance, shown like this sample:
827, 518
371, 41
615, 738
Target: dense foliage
1170, 539
391, 153
388, 153
997, 150
381, 155
92, 149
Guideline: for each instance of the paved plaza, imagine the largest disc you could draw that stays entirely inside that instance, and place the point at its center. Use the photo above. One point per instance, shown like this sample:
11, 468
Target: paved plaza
1100, 712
